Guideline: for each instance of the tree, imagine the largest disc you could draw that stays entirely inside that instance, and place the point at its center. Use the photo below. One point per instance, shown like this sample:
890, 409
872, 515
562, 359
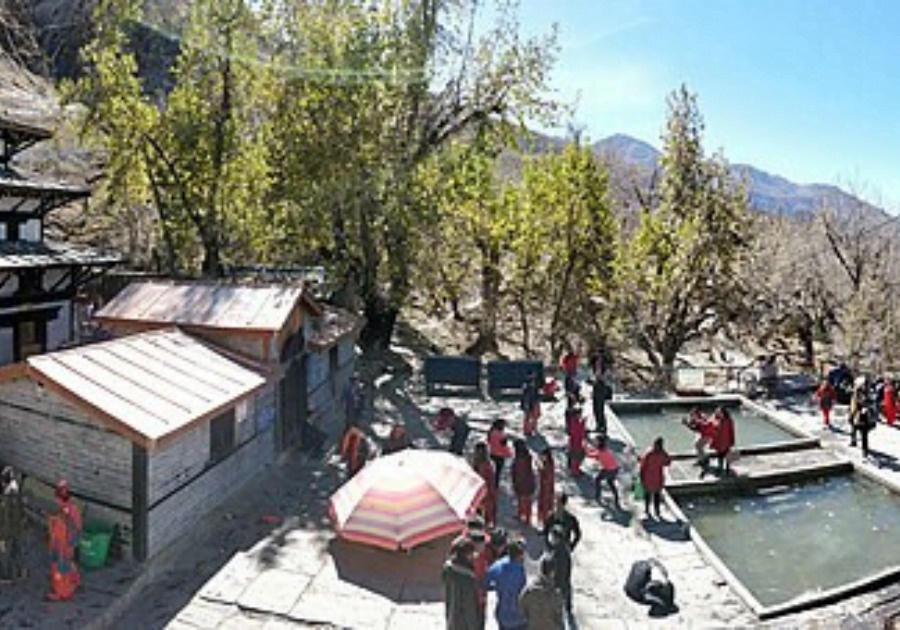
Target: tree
678, 273
382, 89
563, 252
197, 155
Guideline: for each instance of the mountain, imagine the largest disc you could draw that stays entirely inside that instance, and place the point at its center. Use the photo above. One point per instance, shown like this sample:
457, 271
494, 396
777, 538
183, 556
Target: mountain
768, 192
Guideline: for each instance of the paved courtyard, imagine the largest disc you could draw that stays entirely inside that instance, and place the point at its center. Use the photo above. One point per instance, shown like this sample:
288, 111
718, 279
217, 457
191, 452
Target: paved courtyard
269, 559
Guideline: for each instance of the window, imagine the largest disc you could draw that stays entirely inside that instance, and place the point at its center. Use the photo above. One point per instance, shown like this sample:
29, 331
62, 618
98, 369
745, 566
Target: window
30, 338
221, 436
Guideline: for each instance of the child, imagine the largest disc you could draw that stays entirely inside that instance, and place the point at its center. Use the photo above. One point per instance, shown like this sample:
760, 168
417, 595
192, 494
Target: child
576, 430
523, 478
546, 490
826, 396
609, 470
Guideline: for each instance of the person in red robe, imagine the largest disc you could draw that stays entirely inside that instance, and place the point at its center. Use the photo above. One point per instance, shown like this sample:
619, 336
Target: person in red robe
546, 486
826, 396
483, 465
354, 449
889, 404
523, 480
65, 533
723, 439
576, 429
653, 464
705, 428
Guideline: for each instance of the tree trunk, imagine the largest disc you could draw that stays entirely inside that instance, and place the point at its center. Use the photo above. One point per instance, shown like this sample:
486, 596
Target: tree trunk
381, 318
490, 301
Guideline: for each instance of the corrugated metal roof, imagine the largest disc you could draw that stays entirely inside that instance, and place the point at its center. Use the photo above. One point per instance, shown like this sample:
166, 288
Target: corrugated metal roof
147, 386
36, 187
27, 254
223, 306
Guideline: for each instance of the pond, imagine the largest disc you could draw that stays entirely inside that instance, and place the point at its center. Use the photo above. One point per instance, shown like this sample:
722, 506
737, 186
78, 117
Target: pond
646, 422
801, 540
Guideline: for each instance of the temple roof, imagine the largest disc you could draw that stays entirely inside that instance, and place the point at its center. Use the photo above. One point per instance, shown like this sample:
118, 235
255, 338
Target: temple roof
15, 255
35, 188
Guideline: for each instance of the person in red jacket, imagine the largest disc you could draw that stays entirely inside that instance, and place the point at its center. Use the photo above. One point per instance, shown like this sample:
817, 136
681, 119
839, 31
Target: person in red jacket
705, 428
482, 465
547, 486
826, 396
889, 403
723, 439
498, 448
524, 482
609, 470
576, 429
653, 464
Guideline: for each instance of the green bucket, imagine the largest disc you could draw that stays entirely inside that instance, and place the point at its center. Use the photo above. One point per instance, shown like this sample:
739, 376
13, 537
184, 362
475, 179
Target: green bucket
95, 539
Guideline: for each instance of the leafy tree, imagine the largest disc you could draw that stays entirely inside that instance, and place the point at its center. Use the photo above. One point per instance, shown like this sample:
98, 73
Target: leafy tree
564, 250
198, 155
378, 92
678, 273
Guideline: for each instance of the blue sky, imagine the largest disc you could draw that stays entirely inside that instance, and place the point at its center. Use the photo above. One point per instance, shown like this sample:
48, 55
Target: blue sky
806, 89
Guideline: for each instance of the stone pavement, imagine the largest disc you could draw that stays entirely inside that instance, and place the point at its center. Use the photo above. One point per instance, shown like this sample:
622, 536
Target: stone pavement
269, 559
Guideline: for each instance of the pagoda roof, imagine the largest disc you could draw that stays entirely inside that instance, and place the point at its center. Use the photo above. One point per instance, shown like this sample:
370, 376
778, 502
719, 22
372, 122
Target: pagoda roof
12, 185
24, 130
16, 255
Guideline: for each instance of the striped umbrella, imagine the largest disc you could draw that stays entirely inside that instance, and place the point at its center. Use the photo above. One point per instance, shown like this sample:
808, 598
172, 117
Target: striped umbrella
404, 499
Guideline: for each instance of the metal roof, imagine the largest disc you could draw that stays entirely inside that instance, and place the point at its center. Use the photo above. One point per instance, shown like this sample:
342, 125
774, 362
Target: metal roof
263, 308
147, 387
16, 255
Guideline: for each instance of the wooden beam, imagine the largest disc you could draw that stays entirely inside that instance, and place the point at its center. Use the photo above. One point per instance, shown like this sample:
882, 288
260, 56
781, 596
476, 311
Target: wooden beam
140, 501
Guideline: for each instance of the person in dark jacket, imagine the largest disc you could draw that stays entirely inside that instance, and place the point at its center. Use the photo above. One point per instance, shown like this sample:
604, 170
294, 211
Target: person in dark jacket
462, 610
600, 394
568, 521
12, 525
540, 601
558, 549
530, 403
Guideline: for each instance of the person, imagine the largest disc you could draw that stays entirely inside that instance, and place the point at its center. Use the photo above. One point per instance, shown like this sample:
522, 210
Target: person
12, 521
459, 434
354, 450
861, 417
476, 533
609, 470
705, 428
826, 395
397, 440
653, 464
648, 583
889, 401
498, 448
540, 601
353, 402
576, 431
546, 485
482, 465
530, 403
523, 479
65, 532
723, 439
558, 549
600, 394
568, 521
507, 578
460, 594
569, 365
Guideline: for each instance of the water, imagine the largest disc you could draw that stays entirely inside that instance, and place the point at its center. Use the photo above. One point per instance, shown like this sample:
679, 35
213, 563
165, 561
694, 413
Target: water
646, 425
787, 542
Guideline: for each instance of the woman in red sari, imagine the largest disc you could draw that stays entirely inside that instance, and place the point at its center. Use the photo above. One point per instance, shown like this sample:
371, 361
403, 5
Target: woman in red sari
65, 531
483, 465
546, 486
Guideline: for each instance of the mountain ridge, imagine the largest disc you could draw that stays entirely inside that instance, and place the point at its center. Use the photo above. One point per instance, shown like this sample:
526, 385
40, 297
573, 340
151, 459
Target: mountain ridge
768, 192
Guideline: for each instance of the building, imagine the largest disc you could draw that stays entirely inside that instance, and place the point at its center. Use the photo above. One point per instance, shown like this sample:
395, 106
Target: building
38, 278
